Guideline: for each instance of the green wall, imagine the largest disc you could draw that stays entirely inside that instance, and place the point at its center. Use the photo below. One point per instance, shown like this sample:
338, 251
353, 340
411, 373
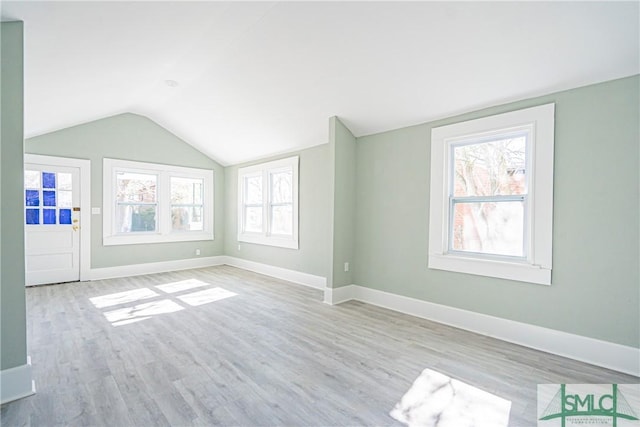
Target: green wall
13, 330
342, 146
314, 223
595, 289
133, 137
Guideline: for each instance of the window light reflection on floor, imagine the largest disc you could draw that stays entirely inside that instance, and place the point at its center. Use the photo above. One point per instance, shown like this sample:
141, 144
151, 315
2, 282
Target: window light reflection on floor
170, 298
437, 400
123, 297
206, 296
141, 311
182, 285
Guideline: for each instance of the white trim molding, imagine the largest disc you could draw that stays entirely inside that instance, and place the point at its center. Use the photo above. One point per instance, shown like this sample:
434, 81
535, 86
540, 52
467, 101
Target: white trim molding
264, 172
339, 295
536, 125
310, 280
155, 267
589, 350
306, 279
164, 231
16, 383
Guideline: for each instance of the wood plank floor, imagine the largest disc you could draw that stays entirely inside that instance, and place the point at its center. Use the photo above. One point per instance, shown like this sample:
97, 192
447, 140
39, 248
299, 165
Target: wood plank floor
223, 346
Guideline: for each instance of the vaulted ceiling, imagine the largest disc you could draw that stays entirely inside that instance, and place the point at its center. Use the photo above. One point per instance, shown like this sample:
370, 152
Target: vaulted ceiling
241, 80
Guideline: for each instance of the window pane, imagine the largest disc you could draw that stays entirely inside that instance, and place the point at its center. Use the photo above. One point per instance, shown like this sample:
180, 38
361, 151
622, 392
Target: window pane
490, 168
64, 181
65, 216
187, 218
281, 188
132, 218
64, 199
32, 198
49, 216
48, 180
282, 220
187, 191
253, 190
33, 216
49, 198
253, 219
135, 187
495, 228
32, 179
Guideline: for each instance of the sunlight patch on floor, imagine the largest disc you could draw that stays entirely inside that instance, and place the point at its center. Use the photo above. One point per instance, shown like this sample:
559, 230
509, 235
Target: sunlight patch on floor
206, 296
437, 400
182, 285
123, 297
170, 298
141, 311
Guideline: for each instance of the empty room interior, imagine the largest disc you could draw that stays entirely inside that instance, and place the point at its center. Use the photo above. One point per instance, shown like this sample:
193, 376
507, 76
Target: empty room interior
320, 213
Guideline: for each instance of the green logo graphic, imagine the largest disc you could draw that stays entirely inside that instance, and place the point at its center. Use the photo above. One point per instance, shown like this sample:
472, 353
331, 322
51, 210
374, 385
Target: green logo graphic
614, 406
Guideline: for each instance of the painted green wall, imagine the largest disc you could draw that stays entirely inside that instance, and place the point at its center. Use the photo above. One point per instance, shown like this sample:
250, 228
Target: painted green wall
133, 137
13, 332
595, 289
314, 223
343, 148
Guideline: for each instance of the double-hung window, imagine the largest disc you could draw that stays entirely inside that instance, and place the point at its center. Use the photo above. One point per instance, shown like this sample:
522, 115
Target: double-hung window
152, 203
268, 203
491, 201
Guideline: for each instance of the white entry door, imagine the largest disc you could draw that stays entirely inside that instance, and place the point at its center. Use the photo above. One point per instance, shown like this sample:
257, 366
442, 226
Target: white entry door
52, 223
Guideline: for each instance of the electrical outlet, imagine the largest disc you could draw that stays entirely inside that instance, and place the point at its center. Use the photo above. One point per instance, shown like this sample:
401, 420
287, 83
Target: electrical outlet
346, 266
239, 248
197, 251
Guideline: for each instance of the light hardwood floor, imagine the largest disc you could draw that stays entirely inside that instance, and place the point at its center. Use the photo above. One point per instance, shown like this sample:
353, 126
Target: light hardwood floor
272, 354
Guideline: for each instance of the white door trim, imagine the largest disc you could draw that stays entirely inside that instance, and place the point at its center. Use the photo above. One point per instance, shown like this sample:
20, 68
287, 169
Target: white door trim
85, 203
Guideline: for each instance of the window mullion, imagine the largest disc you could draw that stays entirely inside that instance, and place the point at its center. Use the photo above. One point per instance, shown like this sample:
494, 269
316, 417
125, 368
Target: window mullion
266, 202
489, 199
114, 200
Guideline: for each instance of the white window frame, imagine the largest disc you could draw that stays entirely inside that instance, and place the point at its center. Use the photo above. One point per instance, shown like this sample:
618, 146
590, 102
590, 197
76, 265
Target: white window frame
265, 237
535, 267
164, 232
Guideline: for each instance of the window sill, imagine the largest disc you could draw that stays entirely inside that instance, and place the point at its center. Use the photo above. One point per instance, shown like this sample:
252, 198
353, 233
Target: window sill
281, 242
138, 239
491, 268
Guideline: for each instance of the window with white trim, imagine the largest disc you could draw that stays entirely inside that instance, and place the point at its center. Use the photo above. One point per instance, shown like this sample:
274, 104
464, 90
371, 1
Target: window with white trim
491, 200
153, 203
268, 203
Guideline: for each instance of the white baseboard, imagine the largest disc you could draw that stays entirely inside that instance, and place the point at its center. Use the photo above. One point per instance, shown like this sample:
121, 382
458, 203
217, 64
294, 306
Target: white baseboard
298, 277
597, 352
16, 383
306, 279
154, 267
339, 295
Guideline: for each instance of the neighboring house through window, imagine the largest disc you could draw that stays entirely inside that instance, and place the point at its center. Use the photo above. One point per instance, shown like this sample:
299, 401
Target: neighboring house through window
268, 203
150, 203
492, 196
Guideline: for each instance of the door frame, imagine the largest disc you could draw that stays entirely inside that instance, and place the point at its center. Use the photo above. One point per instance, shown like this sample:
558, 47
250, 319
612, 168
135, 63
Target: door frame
85, 203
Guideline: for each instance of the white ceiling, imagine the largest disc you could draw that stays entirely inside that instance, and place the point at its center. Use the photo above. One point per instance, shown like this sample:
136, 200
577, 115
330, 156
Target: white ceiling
262, 78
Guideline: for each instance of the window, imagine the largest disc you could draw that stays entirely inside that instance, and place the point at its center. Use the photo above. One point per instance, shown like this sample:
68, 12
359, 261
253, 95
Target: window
187, 204
491, 200
48, 197
151, 203
268, 203
136, 202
